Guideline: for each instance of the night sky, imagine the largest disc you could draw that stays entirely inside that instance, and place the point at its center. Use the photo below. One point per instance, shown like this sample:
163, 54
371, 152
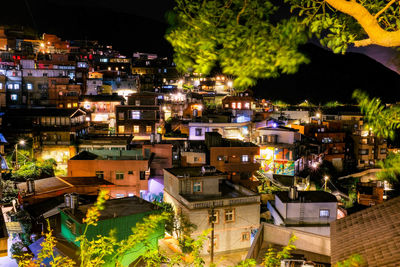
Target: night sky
132, 26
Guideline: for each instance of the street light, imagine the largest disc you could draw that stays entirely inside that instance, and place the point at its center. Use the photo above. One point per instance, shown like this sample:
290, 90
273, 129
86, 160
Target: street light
22, 143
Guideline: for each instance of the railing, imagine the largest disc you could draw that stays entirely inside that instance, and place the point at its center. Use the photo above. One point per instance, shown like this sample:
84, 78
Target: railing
220, 202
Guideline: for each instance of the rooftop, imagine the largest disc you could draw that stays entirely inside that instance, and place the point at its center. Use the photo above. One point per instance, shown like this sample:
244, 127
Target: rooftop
40, 112
179, 172
307, 196
113, 208
109, 155
373, 233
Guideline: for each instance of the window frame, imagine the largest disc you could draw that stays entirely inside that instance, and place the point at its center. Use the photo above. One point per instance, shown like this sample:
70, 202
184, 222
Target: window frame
247, 158
324, 210
99, 174
196, 184
247, 238
228, 211
118, 175
216, 212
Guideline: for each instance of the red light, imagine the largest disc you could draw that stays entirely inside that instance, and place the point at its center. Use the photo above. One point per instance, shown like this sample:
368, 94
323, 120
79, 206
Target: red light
14, 57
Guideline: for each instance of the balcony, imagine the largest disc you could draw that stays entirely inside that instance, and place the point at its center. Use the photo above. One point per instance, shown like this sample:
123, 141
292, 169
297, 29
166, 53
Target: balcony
205, 204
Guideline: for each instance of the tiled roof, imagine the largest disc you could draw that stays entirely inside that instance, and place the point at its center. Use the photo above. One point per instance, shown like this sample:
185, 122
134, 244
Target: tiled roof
374, 233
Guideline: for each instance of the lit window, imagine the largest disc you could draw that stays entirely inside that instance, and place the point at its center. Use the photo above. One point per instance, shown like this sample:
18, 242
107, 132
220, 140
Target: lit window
135, 115
131, 194
14, 97
75, 105
245, 236
60, 93
234, 105
69, 105
247, 105
119, 176
119, 195
214, 218
245, 158
197, 187
198, 132
137, 102
100, 174
136, 128
121, 129
10, 86
29, 86
220, 158
148, 129
226, 105
16, 86
229, 215
1, 86
239, 105
323, 213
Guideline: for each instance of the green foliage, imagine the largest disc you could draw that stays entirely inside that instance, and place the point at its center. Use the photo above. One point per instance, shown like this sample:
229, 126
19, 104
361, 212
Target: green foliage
354, 260
237, 35
35, 169
8, 190
390, 168
381, 120
280, 104
332, 104
273, 257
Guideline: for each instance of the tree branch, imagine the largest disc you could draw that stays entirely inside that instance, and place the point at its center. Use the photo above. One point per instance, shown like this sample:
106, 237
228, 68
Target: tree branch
384, 9
368, 22
241, 11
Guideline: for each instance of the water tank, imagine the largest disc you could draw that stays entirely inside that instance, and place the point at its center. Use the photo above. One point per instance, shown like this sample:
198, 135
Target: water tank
74, 200
293, 193
152, 138
67, 200
272, 138
158, 138
30, 185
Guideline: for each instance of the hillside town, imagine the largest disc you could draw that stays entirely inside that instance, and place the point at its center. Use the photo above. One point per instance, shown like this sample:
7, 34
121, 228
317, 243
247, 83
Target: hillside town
77, 117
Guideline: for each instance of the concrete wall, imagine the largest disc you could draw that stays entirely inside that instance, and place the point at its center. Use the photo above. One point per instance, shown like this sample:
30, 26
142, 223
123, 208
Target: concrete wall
311, 211
286, 137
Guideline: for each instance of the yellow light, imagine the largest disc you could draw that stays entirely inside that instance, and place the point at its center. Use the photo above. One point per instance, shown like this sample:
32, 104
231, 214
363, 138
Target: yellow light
318, 115
22, 142
42, 45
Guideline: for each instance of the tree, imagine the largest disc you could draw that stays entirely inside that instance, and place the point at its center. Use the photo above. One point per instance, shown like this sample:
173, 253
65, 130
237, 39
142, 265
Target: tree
251, 39
35, 169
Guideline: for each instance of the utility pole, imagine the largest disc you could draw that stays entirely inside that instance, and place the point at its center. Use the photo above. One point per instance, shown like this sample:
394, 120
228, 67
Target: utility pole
16, 156
212, 218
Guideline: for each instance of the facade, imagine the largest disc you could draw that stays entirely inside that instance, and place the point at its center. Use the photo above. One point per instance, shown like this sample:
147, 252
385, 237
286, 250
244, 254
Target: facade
241, 131
101, 107
140, 117
121, 214
197, 194
368, 148
241, 107
127, 169
279, 150
309, 211
371, 193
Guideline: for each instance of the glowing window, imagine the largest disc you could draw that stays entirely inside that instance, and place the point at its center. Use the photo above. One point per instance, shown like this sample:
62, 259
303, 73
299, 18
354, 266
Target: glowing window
121, 129
135, 115
247, 105
239, 105
233, 105
148, 129
14, 97
323, 213
136, 128
29, 86
69, 105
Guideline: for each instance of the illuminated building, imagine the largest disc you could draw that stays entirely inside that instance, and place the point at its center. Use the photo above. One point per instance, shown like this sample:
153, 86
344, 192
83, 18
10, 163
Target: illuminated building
140, 117
101, 107
62, 94
240, 131
197, 191
239, 106
279, 150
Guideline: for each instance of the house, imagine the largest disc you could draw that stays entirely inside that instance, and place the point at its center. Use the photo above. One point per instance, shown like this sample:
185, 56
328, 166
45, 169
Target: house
102, 107
308, 211
370, 193
241, 131
200, 192
239, 106
127, 169
104, 142
121, 214
234, 157
368, 148
371, 233
279, 150
140, 117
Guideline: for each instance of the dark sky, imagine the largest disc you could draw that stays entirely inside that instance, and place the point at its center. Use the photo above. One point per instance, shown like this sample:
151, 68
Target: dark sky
133, 25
